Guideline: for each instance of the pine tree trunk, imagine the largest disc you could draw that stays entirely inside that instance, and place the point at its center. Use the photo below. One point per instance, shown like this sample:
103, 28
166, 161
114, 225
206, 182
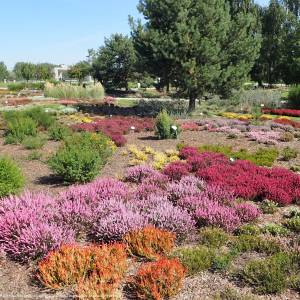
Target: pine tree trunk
192, 103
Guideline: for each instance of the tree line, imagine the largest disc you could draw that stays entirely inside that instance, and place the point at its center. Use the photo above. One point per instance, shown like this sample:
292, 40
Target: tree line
198, 47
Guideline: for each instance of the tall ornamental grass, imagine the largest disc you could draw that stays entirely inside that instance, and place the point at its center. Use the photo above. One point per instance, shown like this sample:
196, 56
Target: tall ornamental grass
68, 91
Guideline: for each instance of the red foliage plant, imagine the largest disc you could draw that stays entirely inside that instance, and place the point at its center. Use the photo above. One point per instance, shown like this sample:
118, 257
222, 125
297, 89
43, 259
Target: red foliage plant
287, 122
282, 112
150, 242
245, 179
73, 264
159, 280
116, 127
176, 170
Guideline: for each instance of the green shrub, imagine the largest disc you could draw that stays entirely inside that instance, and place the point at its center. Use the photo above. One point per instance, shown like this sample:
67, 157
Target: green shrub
42, 118
19, 86
226, 150
287, 137
293, 224
214, 237
223, 260
294, 212
231, 294
34, 155
11, 178
69, 91
250, 243
274, 229
295, 282
81, 157
18, 128
34, 142
268, 206
58, 132
196, 259
165, 127
248, 229
289, 153
294, 97
269, 276
295, 168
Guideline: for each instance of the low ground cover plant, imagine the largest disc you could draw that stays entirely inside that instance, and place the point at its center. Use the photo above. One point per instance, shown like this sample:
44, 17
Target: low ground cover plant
11, 178
73, 264
158, 280
81, 157
150, 242
289, 153
117, 127
246, 180
34, 142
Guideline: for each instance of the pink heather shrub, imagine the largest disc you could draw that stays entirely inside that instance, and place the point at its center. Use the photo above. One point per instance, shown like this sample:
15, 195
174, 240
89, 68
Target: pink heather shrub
168, 217
187, 186
189, 126
176, 170
247, 212
214, 214
29, 226
146, 190
114, 225
139, 173
268, 138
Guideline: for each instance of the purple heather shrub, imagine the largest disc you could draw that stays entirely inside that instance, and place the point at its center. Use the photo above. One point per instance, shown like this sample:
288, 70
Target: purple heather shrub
101, 189
262, 137
214, 214
187, 186
137, 174
29, 226
219, 194
146, 190
115, 225
168, 217
247, 212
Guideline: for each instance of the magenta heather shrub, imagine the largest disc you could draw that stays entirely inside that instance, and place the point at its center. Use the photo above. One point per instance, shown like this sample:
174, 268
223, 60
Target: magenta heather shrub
187, 152
29, 226
139, 173
247, 212
176, 170
118, 139
146, 190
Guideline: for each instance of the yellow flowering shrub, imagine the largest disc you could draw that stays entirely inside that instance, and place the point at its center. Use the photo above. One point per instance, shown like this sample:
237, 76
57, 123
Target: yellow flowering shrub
156, 159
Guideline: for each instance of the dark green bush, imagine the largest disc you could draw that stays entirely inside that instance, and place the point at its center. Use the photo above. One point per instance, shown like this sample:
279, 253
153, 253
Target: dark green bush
223, 260
34, 142
269, 207
289, 153
196, 259
19, 86
81, 157
250, 243
294, 97
269, 276
214, 237
11, 178
165, 127
58, 132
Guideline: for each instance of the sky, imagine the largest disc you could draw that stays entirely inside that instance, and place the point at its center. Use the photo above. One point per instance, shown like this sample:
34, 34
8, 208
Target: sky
60, 31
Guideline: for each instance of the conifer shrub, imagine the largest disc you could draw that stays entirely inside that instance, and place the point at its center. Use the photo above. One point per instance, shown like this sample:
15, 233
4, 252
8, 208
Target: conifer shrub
11, 178
214, 237
165, 128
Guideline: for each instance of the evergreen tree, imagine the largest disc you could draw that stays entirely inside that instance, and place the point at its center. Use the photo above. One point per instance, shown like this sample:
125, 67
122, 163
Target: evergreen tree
192, 42
114, 63
80, 70
3, 71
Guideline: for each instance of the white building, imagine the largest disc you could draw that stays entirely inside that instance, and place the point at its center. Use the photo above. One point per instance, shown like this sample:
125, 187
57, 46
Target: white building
59, 71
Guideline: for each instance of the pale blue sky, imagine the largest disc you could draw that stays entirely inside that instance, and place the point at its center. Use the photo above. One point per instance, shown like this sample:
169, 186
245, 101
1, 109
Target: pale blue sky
60, 31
